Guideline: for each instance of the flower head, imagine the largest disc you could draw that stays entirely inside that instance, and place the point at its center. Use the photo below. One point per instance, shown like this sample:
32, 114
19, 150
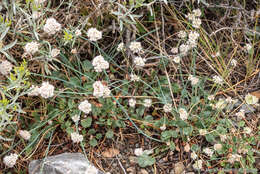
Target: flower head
139, 61
183, 114
25, 134
52, 26
78, 32
121, 47
182, 34
247, 130
100, 90
233, 158
251, 99
167, 107
194, 80
208, 151
135, 47
196, 23
147, 103
46, 90
217, 147
233, 62
193, 155
75, 118
248, 47
218, 79
134, 78
85, 107
34, 91
138, 151
132, 102
196, 12
76, 138
177, 59
55, 52
203, 131
100, 63
91, 170
198, 165
94, 34
5, 67
31, 47
10, 160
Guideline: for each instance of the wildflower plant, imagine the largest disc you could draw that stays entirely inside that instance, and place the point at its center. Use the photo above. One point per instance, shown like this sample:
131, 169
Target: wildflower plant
97, 79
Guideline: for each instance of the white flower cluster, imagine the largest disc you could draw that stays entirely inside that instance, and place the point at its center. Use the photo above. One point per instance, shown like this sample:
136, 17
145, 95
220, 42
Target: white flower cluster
100, 63
46, 90
223, 138
194, 80
167, 107
10, 160
198, 165
193, 39
218, 79
140, 151
75, 118
91, 170
5, 67
51, 26
93, 34
36, 14
247, 130
233, 62
134, 78
132, 102
217, 147
76, 137
85, 106
193, 155
208, 151
135, 47
233, 158
221, 104
39, 1
203, 131
121, 47
251, 99
55, 52
190, 43
177, 59
182, 34
163, 127
31, 47
147, 103
25, 134
139, 61
241, 114
100, 90
194, 18
248, 47
78, 33
183, 114
34, 91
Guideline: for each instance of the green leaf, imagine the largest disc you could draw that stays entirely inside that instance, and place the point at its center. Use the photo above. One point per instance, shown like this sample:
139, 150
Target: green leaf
195, 147
187, 130
172, 146
145, 160
86, 122
210, 138
110, 134
93, 142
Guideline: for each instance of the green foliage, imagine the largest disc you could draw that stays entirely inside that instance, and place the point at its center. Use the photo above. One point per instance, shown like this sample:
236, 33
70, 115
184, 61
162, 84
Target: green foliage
145, 160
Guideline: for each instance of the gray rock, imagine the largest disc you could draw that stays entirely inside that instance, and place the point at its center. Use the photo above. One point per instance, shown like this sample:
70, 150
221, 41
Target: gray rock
66, 163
